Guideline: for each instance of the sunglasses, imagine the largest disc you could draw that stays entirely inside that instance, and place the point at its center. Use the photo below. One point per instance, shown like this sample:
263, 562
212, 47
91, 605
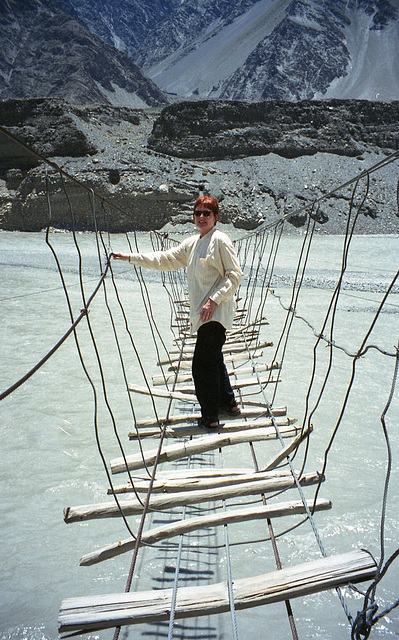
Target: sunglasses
202, 213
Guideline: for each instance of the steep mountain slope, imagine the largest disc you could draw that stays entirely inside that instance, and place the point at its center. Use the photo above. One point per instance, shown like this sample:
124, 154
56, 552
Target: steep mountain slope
373, 45
201, 67
46, 53
150, 30
230, 49
256, 49
315, 46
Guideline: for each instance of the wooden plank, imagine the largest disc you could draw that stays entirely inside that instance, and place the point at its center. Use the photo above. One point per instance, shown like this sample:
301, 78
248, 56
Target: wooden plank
184, 417
101, 612
251, 334
227, 348
203, 472
198, 445
244, 328
288, 449
173, 500
238, 383
189, 389
237, 329
173, 529
227, 358
232, 426
184, 302
238, 338
184, 474
186, 363
198, 473
187, 377
195, 483
162, 393
256, 403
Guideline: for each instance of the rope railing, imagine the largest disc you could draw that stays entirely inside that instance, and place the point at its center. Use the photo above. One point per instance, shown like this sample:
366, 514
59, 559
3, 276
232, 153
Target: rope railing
257, 252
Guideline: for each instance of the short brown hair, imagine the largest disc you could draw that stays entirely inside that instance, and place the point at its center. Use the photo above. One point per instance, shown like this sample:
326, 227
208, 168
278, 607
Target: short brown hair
210, 202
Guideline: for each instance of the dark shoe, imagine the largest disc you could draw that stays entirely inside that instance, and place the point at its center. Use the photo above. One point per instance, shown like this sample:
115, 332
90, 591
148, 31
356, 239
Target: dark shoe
209, 423
234, 411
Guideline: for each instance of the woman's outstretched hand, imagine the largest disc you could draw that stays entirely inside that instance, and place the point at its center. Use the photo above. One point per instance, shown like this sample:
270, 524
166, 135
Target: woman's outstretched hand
120, 256
207, 310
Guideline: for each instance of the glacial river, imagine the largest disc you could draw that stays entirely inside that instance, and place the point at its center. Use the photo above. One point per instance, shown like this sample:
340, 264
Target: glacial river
50, 456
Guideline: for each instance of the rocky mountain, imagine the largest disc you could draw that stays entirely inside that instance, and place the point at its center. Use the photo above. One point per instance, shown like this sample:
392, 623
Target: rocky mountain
46, 52
256, 49
87, 51
262, 160
314, 49
148, 30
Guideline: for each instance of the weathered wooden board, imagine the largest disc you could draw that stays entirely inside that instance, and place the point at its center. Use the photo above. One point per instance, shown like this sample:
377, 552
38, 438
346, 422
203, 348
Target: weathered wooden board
248, 327
198, 445
238, 383
102, 612
189, 389
195, 482
185, 363
184, 417
227, 348
231, 336
162, 393
188, 345
203, 472
172, 500
181, 527
187, 377
236, 354
288, 449
228, 427
238, 327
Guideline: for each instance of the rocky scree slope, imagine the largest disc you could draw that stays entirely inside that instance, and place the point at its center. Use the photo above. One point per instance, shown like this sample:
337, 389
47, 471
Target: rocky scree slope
262, 160
45, 52
256, 49
310, 48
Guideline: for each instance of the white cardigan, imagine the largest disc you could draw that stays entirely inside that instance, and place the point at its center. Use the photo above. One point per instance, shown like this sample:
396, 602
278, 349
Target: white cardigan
213, 271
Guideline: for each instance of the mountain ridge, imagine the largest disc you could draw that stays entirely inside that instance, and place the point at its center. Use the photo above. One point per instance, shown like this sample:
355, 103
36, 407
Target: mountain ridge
258, 49
46, 53
142, 53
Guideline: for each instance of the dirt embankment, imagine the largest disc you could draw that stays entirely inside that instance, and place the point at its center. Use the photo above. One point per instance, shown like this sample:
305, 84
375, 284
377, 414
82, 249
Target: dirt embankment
264, 161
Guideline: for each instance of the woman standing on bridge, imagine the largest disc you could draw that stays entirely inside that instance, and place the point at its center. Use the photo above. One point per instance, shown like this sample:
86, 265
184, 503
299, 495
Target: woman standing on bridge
213, 276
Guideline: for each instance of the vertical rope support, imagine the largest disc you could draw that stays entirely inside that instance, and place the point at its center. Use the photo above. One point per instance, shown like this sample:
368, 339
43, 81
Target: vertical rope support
176, 580
229, 569
230, 579
300, 490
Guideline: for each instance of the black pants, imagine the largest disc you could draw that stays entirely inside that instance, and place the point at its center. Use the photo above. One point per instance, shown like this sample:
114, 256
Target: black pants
211, 380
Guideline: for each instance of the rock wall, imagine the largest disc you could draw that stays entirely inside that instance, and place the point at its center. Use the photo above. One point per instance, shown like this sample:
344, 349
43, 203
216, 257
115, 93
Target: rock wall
223, 129
46, 125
